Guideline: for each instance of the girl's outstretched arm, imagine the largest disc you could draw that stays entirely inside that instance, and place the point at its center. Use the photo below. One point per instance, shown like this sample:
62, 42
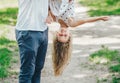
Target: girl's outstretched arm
74, 23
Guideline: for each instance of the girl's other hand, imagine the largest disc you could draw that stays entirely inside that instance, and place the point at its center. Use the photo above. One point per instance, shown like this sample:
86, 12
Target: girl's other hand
104, 18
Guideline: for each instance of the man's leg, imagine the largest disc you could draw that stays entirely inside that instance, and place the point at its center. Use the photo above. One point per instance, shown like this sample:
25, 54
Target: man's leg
27, 46
40, 59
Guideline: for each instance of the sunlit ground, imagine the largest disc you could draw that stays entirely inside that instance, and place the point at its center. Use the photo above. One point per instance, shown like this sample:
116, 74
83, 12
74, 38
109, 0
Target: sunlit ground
8, 3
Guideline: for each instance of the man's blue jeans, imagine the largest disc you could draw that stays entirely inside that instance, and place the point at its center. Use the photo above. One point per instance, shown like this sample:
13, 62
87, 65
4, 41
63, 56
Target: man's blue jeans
32, 48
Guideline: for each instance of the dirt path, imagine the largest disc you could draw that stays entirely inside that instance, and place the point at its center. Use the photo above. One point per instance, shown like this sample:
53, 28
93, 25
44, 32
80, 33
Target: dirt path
86, 39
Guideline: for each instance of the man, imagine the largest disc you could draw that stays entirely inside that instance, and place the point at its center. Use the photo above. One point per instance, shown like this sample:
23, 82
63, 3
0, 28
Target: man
32, 38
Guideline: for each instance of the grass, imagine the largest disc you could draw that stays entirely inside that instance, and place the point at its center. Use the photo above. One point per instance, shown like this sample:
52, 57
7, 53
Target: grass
7, 49
5, 59
8, 12
116, 80
109, 56
115, 68
8, 16
4, 41
5, 56
105, 54
102, 7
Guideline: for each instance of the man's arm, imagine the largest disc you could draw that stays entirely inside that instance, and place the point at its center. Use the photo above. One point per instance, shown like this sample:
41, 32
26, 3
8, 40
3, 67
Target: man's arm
49, 18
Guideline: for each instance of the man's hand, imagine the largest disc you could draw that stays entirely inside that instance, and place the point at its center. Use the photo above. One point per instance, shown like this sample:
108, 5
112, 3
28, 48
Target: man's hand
49, 19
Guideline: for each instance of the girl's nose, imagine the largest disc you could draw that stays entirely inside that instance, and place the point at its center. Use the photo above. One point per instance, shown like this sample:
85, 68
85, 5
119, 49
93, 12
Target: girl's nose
62, 30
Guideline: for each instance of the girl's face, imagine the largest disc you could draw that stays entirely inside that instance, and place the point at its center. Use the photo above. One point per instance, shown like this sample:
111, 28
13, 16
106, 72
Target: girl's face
63, 35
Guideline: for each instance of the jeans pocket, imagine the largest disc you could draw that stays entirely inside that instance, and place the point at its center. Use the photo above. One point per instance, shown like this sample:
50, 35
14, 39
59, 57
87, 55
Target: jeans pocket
25, 35
22, 35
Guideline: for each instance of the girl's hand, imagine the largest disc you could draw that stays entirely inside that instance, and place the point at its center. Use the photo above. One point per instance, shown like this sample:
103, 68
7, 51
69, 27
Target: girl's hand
104, 18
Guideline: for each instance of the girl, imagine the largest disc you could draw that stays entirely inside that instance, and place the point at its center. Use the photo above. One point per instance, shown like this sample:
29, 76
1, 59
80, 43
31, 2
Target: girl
62, 11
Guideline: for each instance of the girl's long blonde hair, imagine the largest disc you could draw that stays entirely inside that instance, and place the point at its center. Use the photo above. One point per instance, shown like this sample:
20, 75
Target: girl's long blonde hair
61, 55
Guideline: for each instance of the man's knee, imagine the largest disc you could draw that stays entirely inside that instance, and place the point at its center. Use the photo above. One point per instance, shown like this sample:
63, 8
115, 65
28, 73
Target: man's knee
28, 58
40, 66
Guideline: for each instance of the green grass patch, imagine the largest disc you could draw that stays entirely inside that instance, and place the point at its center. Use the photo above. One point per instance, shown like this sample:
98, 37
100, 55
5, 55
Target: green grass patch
4, 41
5, 59
115, 68
102, 7
105, 55
116, 80
5, 56
8, 16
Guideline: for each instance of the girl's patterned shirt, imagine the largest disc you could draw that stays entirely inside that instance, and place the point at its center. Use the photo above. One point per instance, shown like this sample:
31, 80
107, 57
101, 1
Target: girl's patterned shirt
62, 9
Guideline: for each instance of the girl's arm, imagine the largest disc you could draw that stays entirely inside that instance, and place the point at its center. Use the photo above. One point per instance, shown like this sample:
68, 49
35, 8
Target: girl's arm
74, 23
